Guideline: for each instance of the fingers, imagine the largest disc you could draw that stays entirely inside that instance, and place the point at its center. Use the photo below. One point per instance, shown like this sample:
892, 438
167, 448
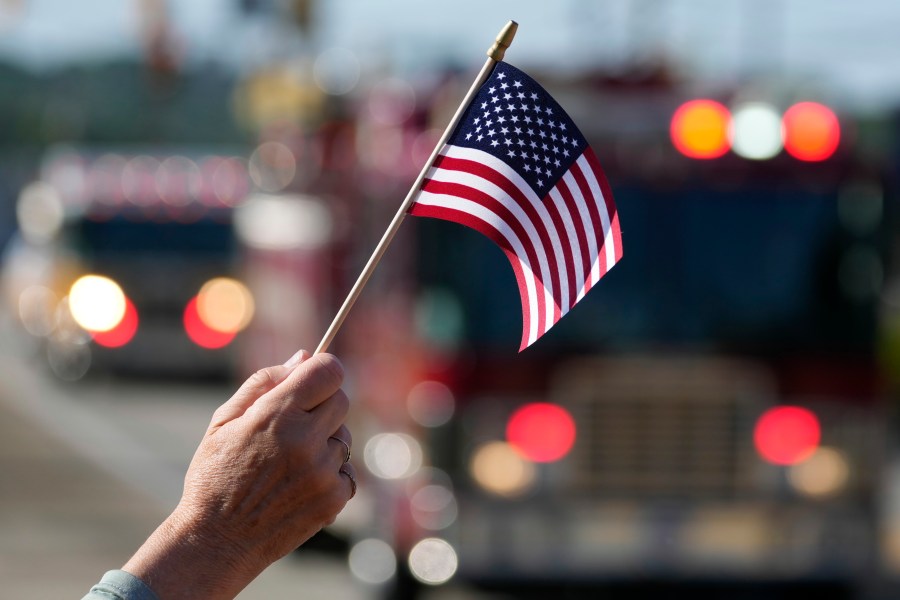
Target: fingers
308, 385
342, 441
349, 474
258, 384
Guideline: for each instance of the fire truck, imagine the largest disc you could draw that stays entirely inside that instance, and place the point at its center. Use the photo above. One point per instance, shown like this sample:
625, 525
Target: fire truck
714, 414
127, 261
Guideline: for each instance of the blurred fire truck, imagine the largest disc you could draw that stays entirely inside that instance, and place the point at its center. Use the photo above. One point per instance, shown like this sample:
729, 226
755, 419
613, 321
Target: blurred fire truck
126, 260
713, 414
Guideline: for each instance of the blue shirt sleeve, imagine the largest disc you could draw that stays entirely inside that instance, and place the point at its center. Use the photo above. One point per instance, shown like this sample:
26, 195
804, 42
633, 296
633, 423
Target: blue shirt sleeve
120, 585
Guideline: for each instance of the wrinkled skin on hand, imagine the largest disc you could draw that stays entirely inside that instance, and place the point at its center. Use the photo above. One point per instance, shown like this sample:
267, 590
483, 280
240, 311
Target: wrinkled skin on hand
264, 479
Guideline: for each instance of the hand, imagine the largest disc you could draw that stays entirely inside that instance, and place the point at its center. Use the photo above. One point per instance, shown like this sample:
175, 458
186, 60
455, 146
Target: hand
267, 475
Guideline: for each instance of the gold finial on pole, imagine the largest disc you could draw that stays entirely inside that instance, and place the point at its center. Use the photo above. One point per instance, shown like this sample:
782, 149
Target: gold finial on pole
504, 39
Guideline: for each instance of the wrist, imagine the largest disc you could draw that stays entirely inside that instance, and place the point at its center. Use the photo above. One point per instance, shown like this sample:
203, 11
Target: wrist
185, 558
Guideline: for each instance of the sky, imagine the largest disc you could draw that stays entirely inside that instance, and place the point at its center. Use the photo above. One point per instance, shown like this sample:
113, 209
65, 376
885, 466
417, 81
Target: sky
844, 52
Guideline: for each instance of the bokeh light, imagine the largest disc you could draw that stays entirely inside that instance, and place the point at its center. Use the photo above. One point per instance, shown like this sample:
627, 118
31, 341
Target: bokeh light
97, 303
787, 435
37, 305
139, 180
541, 431
434, 507
392, 455
500, 469
272, 166
811, 131
199, 332
823, 474
123, 332
756, 131
433, 561
225, 304
372, 561
430, 403
286, 222
40, 212
699, 129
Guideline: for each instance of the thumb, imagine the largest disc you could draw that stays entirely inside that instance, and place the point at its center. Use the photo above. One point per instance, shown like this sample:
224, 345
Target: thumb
261, 382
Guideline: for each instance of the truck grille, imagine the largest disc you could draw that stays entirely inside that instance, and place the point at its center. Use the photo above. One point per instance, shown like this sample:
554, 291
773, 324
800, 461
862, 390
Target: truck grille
663, 427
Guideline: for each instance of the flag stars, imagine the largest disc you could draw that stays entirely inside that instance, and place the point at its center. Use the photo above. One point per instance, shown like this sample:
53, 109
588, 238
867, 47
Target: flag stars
504, 85
492, 90
501, 76
507, 96
494, 143
517, 84
479, 138
534, 95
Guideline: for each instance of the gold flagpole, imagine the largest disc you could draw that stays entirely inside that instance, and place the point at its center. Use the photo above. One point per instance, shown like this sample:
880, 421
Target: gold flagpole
495, 54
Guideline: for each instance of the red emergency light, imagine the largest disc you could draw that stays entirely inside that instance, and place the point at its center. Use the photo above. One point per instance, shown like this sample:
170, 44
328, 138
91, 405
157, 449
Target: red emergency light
787, 435
541, 432
202, 334
699, 129
123, 332
811, 131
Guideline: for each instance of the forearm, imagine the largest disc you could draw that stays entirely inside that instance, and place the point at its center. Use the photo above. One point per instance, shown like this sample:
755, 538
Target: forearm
184, 559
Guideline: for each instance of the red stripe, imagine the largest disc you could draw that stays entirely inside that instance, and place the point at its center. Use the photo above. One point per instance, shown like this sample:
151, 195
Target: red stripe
469, 193
463, 218
594, 213
568, 257
513, 192
608, 198
581, 234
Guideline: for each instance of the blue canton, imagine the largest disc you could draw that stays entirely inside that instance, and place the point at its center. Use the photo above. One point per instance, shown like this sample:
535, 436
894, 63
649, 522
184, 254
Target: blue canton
518, 122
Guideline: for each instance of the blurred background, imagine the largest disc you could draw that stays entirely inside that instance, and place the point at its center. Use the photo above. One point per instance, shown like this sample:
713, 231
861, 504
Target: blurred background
189, 189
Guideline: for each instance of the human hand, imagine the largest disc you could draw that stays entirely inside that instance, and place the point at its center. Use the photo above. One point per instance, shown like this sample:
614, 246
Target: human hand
269, 473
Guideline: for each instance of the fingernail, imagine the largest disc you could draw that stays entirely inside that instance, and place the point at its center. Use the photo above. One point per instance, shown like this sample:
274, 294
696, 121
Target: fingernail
294, 360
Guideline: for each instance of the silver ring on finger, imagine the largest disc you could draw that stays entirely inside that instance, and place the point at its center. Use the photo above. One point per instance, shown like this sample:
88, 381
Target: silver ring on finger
346, 445
352, 479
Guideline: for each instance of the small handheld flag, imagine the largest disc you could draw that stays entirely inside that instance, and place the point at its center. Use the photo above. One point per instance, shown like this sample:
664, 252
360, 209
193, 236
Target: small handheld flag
518, 170
512, 165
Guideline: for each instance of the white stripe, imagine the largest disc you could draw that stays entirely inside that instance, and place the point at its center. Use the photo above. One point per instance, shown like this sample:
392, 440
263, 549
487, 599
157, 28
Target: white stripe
580, 202
597, 193
491, 218
573, 241
483, 185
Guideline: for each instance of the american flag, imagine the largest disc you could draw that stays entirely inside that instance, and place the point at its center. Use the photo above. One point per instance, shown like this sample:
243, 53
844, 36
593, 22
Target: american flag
517, 169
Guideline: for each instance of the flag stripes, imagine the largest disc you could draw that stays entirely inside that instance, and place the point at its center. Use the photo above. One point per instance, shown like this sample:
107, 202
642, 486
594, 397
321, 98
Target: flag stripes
559, 246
